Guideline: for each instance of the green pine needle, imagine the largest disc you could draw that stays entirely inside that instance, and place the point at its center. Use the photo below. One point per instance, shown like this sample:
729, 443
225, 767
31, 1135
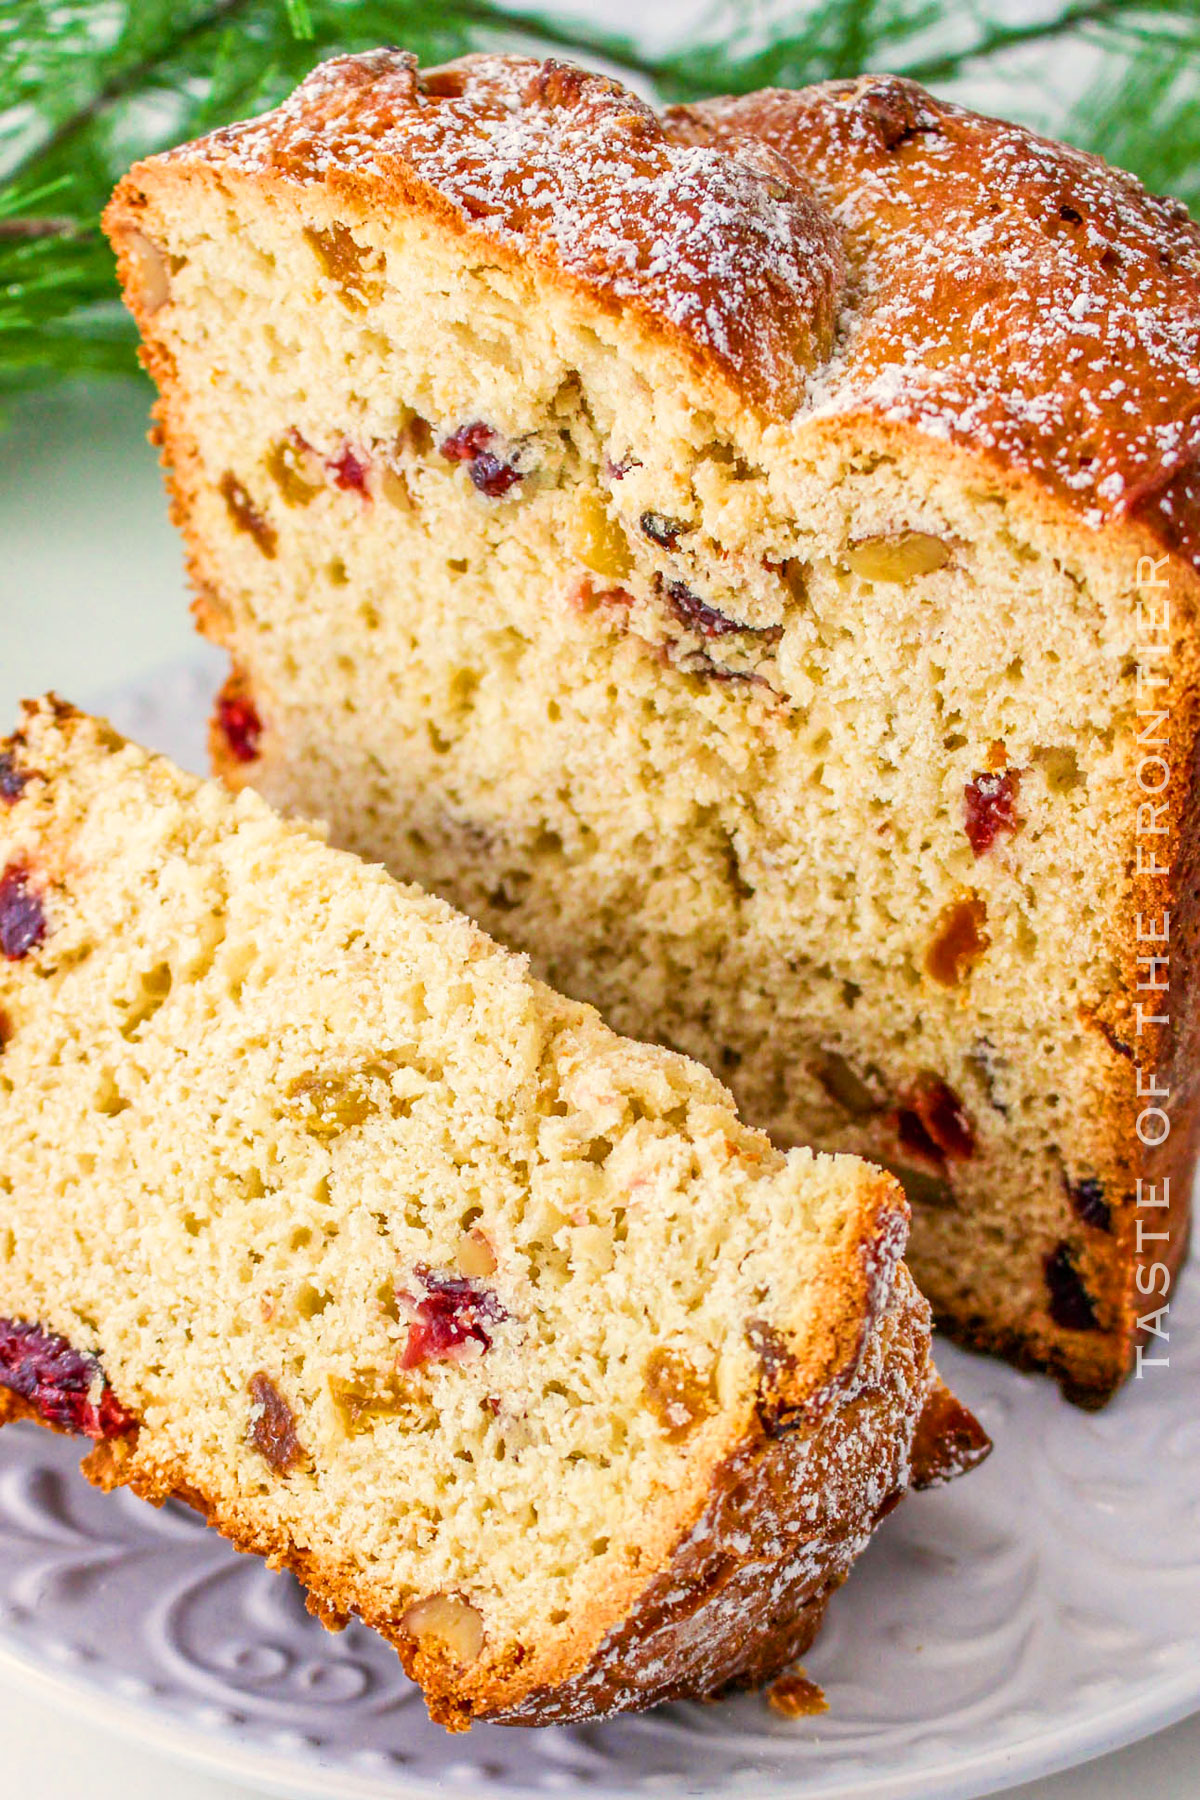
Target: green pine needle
87, 86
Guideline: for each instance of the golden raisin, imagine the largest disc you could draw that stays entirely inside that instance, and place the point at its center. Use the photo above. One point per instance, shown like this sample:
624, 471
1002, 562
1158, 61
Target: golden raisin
676, 1395
272, 1428
344, 261
327, 1105
897, 556
149, 266
958, 941
296, 469
246, 516
598, 541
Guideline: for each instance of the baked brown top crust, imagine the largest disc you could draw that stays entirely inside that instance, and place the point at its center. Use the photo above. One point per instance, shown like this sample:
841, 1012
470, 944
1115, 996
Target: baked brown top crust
1005, 293
728, 254
857, 247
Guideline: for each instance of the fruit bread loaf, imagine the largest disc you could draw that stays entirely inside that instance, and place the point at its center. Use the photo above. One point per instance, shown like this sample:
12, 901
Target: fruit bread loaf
505, 1333
747, 559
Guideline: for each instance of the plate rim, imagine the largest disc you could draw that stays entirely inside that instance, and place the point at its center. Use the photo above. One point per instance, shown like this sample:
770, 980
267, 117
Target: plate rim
1052, 1749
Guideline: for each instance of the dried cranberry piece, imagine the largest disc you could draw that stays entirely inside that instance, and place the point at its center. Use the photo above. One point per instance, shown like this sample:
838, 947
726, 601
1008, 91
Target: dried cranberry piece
450, 1317
1071, 1306
273, 1425
240, 725
990, 807
472, 444
1087, 1199
691, 610
933, 1123
662, 530
465, 444
349, 471
12, 780
66, 1387
22, 920
491, 476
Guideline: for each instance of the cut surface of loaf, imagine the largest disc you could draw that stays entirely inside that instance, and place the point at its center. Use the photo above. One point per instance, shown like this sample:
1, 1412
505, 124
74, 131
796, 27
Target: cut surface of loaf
733, 556
502, 1331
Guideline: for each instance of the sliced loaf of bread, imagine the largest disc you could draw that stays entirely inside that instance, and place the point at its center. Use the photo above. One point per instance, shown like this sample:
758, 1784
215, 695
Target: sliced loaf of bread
502, 1331
746, 559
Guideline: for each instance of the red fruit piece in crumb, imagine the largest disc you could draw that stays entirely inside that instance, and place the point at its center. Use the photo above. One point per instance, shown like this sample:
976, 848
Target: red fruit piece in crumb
12, 780
449, 1319
472, 444
990, 807
933, 1123
22, 920
240, 725
1070, 1305
349, 471
273, 1425
64, 1385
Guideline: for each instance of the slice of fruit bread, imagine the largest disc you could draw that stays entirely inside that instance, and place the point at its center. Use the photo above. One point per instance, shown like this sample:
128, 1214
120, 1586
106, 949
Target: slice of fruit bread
746, 558
502, 1331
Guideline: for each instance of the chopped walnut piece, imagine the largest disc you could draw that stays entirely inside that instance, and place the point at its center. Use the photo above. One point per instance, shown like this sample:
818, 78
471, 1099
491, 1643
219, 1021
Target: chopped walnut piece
444, 1622
794, 1696
677, 1396
475, 1256
151, 279
958, 941
897, 556
272, 1428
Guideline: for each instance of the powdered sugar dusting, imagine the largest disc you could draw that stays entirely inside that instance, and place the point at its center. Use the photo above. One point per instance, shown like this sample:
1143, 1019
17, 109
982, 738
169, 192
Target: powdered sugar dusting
731, 251
1005, 293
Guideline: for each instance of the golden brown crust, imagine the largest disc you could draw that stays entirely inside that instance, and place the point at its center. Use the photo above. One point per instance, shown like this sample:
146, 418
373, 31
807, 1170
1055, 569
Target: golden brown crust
726, 256
744, 1590
1009, 294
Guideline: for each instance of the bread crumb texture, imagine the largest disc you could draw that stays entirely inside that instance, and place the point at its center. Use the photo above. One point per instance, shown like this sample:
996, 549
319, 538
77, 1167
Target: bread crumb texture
319, 1211
717, 552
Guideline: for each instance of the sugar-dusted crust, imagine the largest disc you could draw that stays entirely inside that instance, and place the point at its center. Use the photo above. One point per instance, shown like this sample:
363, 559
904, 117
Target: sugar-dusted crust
727, 257
998, 283
744, 1589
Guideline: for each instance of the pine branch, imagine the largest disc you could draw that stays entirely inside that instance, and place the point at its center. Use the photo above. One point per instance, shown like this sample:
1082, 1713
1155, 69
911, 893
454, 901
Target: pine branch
86, 89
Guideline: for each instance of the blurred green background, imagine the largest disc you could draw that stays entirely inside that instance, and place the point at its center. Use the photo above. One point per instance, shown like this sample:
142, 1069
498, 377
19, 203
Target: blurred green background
91, 586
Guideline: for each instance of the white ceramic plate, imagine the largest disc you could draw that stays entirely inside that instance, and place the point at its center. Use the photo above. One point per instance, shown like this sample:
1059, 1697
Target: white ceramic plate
1044, 1610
